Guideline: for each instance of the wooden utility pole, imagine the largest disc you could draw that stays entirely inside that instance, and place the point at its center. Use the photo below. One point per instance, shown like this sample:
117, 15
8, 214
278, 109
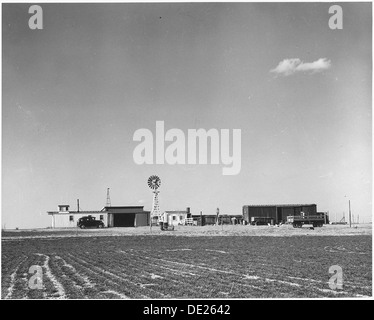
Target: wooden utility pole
349, 202
150, 223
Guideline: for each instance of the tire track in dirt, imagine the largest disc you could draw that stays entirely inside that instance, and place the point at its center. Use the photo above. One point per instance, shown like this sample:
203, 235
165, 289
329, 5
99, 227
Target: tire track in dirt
345, 284
254, 278
163, 280
87, 282
190, 286
170, 265
92, 290
341, 249
118, 266
136, 281
48, 272
83, 264
187, 287
89, 266
208, 272
13, 279
21, 284
70, 274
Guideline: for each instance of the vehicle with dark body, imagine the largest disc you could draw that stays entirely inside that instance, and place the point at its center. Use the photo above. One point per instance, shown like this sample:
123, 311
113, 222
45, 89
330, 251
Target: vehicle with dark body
89, 222
299, 220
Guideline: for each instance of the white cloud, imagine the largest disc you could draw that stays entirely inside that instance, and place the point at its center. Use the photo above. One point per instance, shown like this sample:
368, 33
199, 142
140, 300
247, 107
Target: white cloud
290, 66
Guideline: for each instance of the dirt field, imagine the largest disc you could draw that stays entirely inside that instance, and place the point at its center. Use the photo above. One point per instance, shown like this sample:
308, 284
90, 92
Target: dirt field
189, 262
226, 230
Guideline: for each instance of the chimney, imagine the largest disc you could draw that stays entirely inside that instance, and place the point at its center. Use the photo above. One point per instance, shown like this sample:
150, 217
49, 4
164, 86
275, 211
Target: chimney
77, 205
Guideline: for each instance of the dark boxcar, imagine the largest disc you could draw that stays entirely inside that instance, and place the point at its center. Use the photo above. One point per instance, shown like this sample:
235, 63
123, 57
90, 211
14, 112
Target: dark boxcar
277, 212
258, 211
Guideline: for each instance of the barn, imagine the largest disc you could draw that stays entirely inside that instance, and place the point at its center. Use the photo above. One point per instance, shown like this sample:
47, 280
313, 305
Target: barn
277, 213
122, 216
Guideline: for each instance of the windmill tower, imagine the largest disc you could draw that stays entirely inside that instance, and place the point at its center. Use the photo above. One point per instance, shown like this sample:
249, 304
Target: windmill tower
154, 183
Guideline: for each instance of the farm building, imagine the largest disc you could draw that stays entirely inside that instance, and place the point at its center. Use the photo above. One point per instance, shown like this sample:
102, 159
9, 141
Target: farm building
124, 216
178, 217
65, 218
211, 219
204, 219
233, 219
277, 213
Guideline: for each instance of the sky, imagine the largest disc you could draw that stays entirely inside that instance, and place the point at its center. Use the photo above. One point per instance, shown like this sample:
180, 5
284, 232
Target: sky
74, 93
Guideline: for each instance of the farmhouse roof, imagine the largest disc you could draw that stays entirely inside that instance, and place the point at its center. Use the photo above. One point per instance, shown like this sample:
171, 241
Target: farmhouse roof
122, 207
75, 212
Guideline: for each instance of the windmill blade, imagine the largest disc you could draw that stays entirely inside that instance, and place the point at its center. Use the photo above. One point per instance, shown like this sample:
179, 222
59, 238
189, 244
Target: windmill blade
154, 182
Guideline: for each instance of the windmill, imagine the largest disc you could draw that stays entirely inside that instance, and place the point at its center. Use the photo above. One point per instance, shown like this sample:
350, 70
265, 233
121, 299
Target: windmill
154, 183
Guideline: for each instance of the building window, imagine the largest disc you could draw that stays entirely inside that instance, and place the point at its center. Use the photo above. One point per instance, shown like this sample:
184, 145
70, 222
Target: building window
71, 218
174, 217
180, 217
101, 217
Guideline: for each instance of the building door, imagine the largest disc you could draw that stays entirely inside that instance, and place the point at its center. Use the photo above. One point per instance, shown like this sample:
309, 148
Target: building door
124, 220
279, 215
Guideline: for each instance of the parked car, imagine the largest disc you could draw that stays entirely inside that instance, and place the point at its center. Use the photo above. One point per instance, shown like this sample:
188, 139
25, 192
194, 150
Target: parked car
89, 222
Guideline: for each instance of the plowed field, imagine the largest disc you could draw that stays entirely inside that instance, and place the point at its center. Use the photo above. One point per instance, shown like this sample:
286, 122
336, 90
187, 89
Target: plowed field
153, 266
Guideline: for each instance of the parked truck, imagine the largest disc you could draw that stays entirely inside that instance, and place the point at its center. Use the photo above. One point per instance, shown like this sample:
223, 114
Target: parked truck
300, 220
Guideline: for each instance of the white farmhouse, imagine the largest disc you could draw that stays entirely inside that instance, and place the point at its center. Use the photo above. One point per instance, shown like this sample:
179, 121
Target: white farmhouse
122, 216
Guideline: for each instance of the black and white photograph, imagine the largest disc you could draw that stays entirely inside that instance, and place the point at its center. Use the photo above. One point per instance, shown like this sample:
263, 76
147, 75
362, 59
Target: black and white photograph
187, 152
